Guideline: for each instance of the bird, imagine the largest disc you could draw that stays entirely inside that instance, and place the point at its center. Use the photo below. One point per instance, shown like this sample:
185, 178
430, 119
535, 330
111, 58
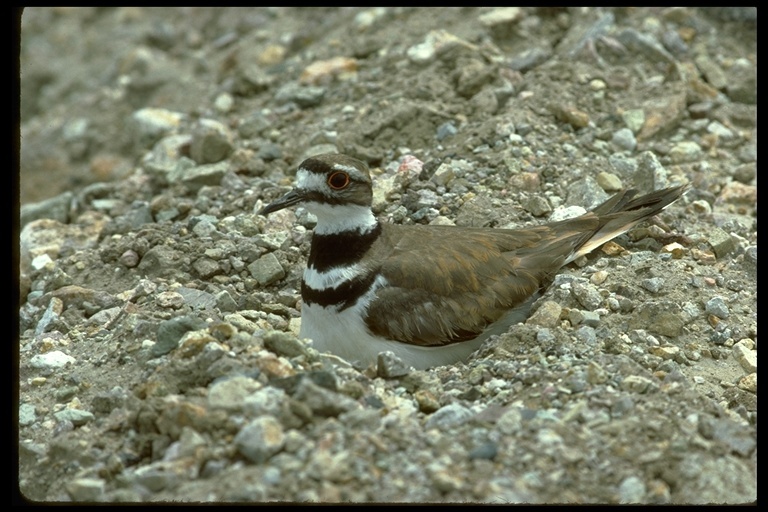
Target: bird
430, 294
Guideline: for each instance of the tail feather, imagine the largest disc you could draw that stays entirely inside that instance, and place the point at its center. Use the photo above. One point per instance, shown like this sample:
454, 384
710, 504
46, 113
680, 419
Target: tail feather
621, 213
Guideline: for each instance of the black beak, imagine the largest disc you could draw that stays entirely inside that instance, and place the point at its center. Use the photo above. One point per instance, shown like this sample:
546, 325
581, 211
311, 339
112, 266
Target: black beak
289, 199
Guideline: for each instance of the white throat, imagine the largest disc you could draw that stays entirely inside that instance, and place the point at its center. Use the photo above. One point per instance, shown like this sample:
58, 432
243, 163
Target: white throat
337, 218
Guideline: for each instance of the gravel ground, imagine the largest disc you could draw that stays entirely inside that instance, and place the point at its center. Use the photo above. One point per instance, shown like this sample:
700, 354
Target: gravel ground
157, 356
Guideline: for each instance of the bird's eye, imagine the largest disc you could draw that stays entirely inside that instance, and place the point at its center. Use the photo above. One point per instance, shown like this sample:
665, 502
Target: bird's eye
338, 180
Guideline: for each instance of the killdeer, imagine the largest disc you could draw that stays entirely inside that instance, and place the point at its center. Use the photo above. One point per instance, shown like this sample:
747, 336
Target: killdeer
430, 294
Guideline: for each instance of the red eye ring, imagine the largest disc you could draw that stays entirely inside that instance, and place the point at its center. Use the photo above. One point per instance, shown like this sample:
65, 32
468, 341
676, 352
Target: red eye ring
339, 180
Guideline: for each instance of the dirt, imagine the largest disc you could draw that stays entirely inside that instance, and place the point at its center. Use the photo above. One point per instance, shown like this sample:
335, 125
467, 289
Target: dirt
143, 260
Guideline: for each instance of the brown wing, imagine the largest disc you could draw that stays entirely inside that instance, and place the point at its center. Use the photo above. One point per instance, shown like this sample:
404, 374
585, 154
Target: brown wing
456, 282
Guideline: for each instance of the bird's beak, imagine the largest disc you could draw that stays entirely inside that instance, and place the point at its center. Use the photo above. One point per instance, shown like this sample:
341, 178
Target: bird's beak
289, 199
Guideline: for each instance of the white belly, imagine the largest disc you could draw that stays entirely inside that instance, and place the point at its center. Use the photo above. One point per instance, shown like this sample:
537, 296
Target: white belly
346, 335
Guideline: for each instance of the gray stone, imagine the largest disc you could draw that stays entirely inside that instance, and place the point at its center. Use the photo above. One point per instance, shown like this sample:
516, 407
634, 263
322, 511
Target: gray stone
170, 332
27, 414
211, 142
624, 139
717, 306
56, 208
322, 401
260, 439
390, 366
151, 124
284, 344
303, 96
448, 416
86, 489
77, 417
653, 284
232, 394
587, 295
266, 270
51, 360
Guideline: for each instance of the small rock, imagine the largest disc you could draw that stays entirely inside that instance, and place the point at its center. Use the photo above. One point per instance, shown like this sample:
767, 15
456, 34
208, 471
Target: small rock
322, 401
686, 151
749, 382
51, 360
232, 394
170, 332
77, 417
717, 306
27, 414
587, 295
266, 270
211, 142
624, 139
197, 177
653, 284
86, 489
547, 315
448, 416
391, 366
260, 439
284, 344
638, 384
747, 358
151, 124
634, 119
632, 490
303, 96
324, 71
609, 182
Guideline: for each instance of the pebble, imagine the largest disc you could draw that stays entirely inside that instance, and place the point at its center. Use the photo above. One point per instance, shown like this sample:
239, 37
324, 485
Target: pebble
717, 306
284, 344
323, 402
746, 357
579, 317
260, 439
86, 489
77, 417
152, 124
749, 383
50, 361
653, 284
445, 130
686, 151
448, 416
650, 174
547, 314
324, 71
211, 142
632, 490
438, 43
197, 177
55, 208
304, 96
27, 415
232, 394
624, 139
170, 332
266, 270
609, 181
638, 384
587, 295
390, 366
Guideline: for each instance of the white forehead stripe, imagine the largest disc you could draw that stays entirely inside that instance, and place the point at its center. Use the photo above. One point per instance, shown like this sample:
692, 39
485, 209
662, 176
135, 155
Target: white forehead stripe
306, 180
351, 170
